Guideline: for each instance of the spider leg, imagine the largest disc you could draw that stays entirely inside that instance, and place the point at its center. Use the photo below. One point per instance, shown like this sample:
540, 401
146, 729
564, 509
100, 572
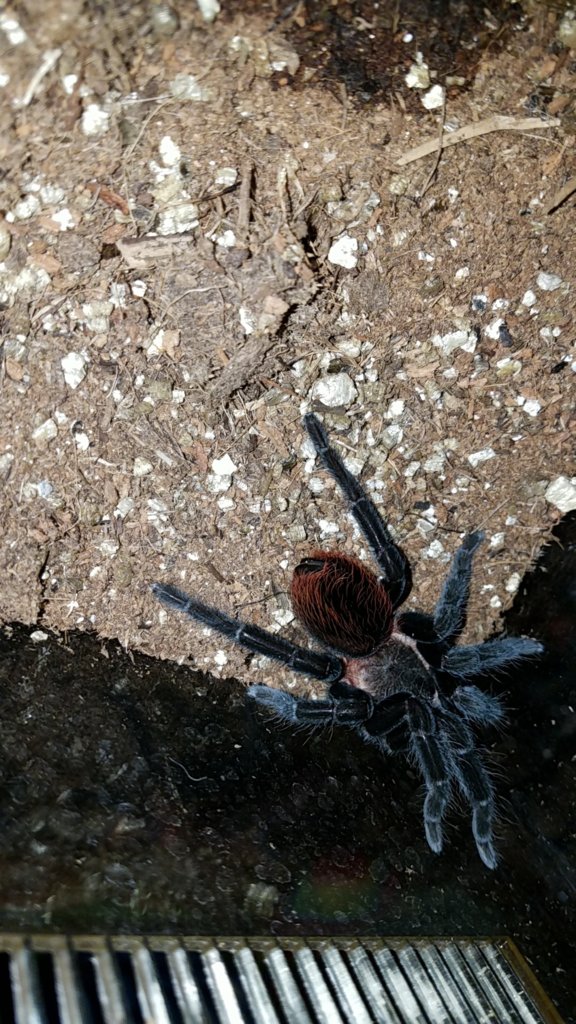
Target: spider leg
487, 657
390, 558
388, 725
476, 706
298, 710
450, 611
326, 667
429, 756
398, 714
346, 705
475, 784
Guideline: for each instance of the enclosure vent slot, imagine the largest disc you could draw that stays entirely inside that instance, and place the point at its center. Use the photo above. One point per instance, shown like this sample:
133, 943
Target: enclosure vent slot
163, 980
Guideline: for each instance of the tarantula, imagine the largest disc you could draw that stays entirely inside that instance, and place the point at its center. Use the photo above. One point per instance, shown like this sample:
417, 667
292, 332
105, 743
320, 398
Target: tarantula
396, 677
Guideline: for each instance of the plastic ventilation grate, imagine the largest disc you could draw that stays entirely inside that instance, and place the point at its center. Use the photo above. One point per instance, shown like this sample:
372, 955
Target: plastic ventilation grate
160, 980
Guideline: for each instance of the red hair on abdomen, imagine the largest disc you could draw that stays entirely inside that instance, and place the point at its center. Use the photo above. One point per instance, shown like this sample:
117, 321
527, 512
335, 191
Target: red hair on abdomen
341, 603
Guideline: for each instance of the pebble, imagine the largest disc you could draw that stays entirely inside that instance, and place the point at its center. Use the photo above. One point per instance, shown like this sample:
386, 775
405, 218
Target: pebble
224, 466
336, 389
141, 467
26, 208
170, 153
209, 9
466, 340
418, 76
434, 98
46, 432
493, 329
531, 406
5, 241
226, 177
187, 87
95, 121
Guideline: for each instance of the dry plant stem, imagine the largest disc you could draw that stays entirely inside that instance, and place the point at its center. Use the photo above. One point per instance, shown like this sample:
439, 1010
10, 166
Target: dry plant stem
561, 196
496, 123
434, 169
246, 175
49, 62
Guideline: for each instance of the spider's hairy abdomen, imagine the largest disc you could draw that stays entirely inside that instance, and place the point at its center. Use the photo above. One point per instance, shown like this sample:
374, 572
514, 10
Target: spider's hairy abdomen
341, 603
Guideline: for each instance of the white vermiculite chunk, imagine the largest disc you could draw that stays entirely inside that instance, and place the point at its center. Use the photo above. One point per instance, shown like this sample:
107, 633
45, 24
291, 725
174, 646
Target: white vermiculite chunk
334, 389
561, 492
475, 458
74, 366
224, 466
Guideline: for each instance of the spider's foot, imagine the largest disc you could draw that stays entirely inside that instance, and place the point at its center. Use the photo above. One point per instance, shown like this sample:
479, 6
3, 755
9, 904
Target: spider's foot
281, 703
434, 835
473, 540
434, 808
482, 832
487, 853
170, 596
477, 706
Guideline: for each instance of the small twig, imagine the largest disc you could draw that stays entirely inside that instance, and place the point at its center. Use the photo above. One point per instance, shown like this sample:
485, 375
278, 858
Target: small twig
432, 174
561, 196
246, 175
49, 62
216, 195
344, 102
496, 123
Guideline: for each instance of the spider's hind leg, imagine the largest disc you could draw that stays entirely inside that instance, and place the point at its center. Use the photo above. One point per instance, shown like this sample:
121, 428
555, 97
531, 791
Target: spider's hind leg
475, 783
298, 710
429, 756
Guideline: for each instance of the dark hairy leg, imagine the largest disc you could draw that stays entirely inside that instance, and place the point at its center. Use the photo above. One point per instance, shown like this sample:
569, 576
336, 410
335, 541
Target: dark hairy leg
298, 710
345, 705
450, 610
474, 781
488, 657
476, 706
326, 667
429, 757
391, 559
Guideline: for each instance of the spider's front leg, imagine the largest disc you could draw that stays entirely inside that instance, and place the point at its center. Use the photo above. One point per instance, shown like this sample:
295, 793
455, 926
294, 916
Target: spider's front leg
492, 655
326, 667
392, 561
449, 620
450, 610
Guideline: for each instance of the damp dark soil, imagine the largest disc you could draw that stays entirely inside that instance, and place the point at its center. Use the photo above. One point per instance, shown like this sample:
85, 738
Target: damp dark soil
141, 796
